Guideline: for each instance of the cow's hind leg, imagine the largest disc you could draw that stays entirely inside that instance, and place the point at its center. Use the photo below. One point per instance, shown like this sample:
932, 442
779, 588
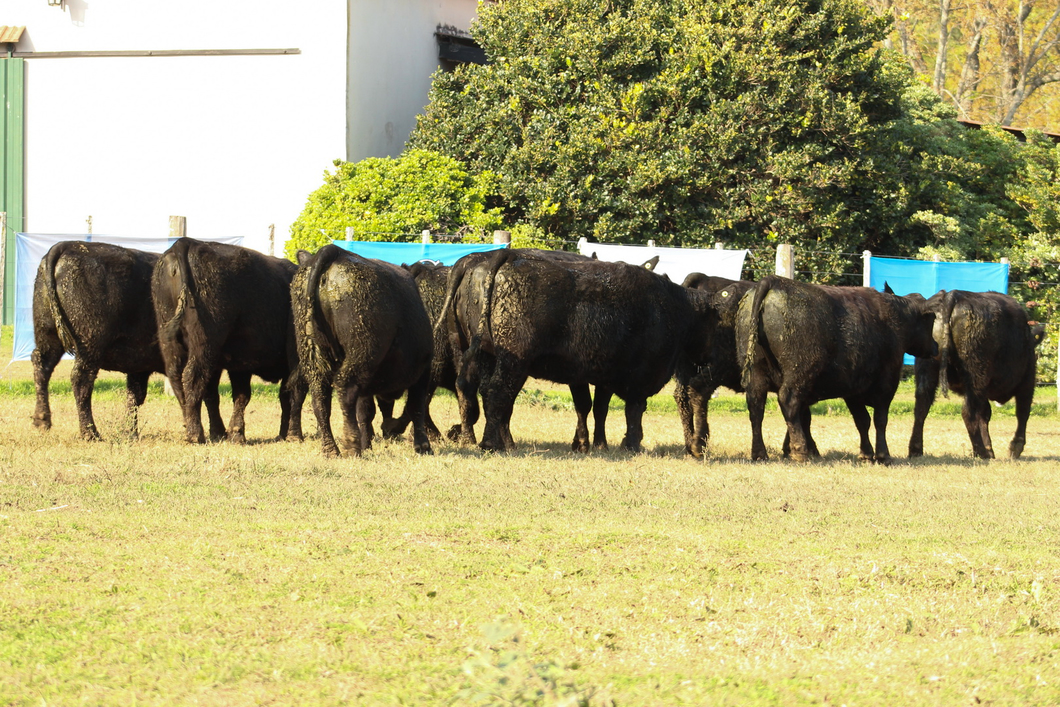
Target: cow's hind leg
83, 379
927, 383
45, 358
416, 409
791, 405
212, 400
862, 421
634, 424
240, 397
976, 413
583, 405
811, 444
321, 390
880, 413
197, 379
365, 409
500, 387
755, 394
1024, 397
601, 403
391, 427
135, 394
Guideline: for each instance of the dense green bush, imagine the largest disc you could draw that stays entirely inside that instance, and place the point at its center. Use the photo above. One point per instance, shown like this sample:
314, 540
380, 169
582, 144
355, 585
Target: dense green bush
383, 197
685, 122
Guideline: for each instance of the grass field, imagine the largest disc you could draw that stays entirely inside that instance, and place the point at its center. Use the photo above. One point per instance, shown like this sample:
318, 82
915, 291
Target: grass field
154, 572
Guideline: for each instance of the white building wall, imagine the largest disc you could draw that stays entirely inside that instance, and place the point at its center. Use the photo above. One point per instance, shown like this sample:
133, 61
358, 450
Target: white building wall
392, 55
234, 143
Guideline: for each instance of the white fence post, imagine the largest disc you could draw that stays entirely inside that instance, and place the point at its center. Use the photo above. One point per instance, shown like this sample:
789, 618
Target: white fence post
502, 237
785, 261
866, 268
349, 233
425, 236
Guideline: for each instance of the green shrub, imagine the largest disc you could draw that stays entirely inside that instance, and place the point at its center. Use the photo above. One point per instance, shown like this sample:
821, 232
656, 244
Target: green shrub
382, 197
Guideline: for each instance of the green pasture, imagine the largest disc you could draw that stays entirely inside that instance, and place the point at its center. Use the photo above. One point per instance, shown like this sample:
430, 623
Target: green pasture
158, 573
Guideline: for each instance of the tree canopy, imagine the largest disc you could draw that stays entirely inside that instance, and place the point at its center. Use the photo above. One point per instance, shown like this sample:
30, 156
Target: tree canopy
684, 122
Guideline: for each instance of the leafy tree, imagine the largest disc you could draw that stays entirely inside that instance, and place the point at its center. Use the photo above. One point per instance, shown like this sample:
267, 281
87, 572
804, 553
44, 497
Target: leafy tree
383, 197
688, 122
993, 60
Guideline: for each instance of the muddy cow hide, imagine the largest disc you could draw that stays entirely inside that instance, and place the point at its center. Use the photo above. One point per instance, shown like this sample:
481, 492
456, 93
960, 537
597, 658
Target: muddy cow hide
225, 307
361, 328
987, 348
466, 314
93, 300
694, 385
816, 342
431, 281
518, 313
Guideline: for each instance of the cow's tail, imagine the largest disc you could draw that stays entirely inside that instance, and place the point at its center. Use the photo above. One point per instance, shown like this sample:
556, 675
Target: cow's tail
760, 291
62, 323
169, 332
497, 261
945, 314
323, 351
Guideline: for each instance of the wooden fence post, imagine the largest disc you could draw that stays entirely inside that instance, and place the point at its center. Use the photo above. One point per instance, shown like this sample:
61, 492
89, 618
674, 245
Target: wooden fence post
785, 261
272, 239
178, 226
502, 237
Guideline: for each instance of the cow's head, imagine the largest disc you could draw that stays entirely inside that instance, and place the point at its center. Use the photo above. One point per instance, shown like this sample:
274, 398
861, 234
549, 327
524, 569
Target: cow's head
920, 325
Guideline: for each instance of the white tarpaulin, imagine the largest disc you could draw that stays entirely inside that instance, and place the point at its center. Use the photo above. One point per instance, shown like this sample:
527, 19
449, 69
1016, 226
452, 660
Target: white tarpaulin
676, 263
30, 249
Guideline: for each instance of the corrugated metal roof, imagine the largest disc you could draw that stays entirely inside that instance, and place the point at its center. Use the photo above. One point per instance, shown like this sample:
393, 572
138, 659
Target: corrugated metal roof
10, 35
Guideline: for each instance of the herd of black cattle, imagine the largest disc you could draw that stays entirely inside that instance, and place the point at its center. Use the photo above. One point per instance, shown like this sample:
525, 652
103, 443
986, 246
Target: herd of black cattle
375, 331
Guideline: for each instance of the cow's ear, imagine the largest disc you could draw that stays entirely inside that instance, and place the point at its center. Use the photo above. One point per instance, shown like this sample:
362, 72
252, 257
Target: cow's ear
303, 255
887, 288
650, 264
1037, 332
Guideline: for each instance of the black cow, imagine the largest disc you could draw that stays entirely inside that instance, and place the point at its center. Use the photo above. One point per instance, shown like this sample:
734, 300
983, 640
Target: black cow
93, 300
516, 313
695, 384
987, 348
225, 307
816, 342
469, 312
361, 327
431, 280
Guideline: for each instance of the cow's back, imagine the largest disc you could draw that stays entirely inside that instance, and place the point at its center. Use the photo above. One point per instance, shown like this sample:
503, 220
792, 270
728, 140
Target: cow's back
585, 321
104, 292
991, 342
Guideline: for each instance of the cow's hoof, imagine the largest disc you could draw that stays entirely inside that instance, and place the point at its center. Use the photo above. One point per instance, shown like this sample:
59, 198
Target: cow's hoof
42, 423
392, 429
237, 438
295, 437
1015, 450
580, 445
916, 452
90, 435
423, 449
331, 451
883, 461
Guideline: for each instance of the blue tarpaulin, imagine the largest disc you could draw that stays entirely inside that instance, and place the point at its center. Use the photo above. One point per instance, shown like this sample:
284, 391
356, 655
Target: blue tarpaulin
409, 253
928, 277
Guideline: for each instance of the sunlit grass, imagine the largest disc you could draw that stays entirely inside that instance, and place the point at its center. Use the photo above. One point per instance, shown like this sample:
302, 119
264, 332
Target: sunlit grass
160, 573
